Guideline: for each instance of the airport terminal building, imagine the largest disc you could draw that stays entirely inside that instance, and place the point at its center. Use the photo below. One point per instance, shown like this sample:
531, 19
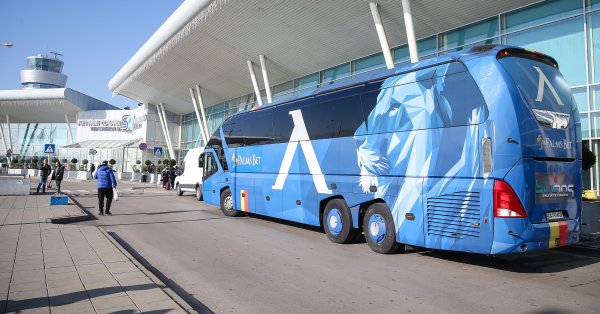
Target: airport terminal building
224, 56
213, 58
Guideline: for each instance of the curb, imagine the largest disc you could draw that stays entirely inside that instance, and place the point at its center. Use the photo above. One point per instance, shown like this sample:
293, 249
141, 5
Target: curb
174, 296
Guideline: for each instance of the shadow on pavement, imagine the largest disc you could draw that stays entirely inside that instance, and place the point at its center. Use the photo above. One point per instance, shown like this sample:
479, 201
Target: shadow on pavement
191, 300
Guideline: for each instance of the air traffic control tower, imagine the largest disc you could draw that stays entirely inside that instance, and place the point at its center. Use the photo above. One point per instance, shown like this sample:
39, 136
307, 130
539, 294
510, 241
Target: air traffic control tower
43, 72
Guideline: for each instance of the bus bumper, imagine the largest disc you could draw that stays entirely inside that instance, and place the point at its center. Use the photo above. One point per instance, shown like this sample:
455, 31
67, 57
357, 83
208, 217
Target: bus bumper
518, 235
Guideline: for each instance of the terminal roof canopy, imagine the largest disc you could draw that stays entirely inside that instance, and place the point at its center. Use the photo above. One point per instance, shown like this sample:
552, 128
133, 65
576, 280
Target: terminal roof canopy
208, 42
46, 105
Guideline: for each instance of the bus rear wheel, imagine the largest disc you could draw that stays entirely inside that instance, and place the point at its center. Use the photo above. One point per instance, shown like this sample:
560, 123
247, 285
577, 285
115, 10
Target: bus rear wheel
227, 204
379, 229
337, 222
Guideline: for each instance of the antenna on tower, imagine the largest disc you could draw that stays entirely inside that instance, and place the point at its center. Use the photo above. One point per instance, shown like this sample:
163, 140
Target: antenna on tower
56, 54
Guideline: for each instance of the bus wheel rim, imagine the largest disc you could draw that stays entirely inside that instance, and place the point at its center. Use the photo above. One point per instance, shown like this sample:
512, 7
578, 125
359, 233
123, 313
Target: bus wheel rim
334, 221
228, 202
377, 229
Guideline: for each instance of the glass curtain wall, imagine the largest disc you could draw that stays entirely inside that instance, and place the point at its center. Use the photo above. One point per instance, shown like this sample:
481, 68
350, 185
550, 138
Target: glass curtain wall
568, 30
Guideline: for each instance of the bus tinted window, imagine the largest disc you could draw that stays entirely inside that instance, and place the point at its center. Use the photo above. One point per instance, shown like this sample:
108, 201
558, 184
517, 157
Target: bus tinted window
257, 128
542, 85
282, 120
460, 100
335, 118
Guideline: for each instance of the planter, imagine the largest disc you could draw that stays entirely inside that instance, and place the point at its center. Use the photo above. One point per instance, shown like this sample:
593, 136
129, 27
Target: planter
153, 177
124, 175
17, 171
33, 172
83, 175
136, 176
71, 174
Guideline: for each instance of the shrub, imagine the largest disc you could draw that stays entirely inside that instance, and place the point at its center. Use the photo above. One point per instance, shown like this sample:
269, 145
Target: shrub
85, 161
147, 162
172, 162
166, 162
74, 160
64, 160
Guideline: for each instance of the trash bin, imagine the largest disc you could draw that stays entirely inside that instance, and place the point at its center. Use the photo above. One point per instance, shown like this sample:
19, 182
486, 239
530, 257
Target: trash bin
144, 178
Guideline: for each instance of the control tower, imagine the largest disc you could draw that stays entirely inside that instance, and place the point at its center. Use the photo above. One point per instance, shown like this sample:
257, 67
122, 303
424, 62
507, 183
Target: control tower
43, 72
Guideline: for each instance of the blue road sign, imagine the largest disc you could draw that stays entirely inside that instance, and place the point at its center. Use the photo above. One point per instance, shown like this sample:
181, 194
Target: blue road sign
49, 148
158, 151
143, 146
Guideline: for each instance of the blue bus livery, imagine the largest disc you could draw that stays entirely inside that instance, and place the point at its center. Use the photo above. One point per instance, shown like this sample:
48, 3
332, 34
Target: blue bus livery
476, 151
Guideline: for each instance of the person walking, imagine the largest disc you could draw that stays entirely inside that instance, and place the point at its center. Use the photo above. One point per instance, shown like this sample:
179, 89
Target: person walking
106, 183
58, 175
44, 172
165, 178
92, 169
52, 178
172, 175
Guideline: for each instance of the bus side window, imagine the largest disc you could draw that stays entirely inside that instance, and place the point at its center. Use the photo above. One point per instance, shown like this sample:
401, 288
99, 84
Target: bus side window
210, 165
201, 161
458, 96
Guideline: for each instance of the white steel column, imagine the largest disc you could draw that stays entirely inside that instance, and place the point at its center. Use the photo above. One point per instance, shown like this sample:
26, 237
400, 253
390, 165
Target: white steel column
69, 129
162, 124
201, 105
3, 138
169, 142
198, 116
254, 82
9, 133
385, 48
263, 66
410, 32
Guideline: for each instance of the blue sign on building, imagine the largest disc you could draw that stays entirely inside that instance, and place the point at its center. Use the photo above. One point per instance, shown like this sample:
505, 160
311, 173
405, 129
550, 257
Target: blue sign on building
49, 148
158, 151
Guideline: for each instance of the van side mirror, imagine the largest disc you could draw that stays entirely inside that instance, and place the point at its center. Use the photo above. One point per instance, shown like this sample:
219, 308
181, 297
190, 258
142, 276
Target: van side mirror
201, 161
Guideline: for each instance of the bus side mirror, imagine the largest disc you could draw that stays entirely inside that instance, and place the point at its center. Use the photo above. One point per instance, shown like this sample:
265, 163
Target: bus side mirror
201, 161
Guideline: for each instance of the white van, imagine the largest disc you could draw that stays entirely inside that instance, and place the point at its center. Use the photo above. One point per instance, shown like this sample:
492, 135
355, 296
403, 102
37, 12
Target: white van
191, 179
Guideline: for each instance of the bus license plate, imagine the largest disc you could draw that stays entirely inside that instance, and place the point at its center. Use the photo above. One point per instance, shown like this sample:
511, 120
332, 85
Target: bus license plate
553, 216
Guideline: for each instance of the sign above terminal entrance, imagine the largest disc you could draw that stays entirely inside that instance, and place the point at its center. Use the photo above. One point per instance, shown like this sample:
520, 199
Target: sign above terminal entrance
128, 122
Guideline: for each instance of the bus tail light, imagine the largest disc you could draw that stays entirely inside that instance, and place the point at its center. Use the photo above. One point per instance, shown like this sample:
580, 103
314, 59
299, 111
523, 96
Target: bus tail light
506, 202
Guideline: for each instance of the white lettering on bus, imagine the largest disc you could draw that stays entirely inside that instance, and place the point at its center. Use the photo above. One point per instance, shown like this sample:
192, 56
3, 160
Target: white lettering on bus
541, 83
299, 134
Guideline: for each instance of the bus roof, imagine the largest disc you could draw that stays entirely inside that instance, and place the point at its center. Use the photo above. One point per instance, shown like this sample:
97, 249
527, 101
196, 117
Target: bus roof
363, 78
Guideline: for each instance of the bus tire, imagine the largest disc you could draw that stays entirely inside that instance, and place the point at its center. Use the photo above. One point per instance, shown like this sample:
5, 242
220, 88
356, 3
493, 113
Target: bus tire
379, 229
227, 204
198, 193
337, 222
179, 191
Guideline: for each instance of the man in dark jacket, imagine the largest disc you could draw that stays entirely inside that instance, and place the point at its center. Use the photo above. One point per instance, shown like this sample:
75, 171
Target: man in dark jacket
172, 175
106, 183
44, 172
59, 173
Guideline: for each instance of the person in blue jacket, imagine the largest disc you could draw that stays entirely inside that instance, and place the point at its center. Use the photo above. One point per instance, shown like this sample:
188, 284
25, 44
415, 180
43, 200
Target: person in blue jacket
106, 183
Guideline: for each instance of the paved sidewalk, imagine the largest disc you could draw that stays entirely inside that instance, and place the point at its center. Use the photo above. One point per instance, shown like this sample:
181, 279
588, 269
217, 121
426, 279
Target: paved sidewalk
47, 268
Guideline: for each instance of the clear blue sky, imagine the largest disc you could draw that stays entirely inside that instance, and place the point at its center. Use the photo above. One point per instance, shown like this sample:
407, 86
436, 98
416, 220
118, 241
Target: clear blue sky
96, 38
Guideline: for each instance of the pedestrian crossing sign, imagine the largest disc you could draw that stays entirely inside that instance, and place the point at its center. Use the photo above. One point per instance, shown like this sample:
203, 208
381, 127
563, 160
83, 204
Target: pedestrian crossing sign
49, 148
158, 151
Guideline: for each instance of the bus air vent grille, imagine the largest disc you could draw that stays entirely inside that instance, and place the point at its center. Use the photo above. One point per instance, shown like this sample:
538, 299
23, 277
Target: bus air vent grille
455, 215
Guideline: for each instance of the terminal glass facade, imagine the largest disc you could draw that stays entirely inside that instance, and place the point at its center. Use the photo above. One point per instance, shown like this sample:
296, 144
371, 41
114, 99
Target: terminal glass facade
568, 30
28, 139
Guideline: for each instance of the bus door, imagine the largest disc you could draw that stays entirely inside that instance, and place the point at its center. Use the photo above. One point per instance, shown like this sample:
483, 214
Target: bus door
211, 178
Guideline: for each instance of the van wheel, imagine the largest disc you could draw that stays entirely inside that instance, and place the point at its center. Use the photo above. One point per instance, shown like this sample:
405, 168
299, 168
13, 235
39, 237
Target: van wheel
227, 204
198, 193
179, 191
379, 229
337, 222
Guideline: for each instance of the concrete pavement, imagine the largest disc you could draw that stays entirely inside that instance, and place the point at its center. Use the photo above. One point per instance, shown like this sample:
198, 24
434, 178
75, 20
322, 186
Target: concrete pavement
48, 268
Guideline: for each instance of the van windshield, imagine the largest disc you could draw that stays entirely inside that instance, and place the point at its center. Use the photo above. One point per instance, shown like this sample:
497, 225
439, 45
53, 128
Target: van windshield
541, 84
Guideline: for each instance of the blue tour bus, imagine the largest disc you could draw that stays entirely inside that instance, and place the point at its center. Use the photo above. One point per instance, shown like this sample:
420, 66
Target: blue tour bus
475, 151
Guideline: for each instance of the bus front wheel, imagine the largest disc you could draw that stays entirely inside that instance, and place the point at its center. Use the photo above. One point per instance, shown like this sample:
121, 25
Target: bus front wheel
227, 204
379, 229
337, 222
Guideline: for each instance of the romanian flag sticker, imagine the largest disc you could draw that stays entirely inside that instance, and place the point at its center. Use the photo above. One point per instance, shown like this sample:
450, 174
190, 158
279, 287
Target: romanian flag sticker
558, 234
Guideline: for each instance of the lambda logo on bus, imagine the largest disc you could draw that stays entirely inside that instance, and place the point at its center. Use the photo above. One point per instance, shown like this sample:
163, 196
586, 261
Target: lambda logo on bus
552, 188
